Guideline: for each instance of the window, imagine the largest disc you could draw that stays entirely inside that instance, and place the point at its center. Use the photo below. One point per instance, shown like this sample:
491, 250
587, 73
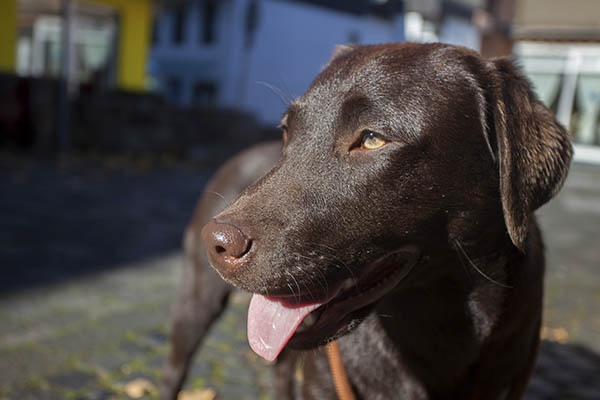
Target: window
209, 14
566, 77
174, 89
585, 114
205, 94
155, 27
178, 25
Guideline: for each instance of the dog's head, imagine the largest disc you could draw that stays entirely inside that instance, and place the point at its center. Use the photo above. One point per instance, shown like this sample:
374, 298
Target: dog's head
393, 153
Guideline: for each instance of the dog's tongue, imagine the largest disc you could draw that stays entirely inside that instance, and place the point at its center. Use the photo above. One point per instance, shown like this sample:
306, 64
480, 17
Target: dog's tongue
271, 323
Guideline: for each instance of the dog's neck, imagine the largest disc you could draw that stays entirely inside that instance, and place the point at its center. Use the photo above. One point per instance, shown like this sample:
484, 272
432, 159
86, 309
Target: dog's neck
431, 316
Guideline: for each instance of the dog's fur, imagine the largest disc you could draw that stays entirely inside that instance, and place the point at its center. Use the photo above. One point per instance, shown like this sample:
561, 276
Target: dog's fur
470, 154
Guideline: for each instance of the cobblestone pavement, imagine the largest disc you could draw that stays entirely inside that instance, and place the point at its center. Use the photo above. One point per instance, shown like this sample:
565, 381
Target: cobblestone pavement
90, 258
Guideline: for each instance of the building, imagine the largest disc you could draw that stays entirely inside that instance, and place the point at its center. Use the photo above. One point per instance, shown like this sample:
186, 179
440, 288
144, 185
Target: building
108, 37
558, 44
254, 55
257, 55
446, 21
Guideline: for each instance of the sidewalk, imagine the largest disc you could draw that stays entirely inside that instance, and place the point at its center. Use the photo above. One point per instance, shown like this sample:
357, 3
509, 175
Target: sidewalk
69, 332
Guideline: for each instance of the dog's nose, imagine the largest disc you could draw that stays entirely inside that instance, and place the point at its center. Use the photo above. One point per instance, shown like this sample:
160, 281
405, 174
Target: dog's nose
225, 244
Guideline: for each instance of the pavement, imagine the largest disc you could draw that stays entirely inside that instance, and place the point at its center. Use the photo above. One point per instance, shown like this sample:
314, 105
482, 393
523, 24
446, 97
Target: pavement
90, 259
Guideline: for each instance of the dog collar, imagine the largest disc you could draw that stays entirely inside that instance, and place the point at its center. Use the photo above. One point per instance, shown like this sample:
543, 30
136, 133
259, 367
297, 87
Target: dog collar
338, 372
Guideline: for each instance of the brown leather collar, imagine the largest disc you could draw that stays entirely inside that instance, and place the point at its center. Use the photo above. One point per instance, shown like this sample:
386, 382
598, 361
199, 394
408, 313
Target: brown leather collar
340, 378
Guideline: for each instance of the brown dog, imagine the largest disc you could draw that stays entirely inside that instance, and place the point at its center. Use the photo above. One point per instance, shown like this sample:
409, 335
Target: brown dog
398, 219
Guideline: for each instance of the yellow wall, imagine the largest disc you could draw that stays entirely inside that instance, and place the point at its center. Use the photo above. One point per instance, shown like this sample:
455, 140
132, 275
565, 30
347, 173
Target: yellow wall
8, 33
134, 41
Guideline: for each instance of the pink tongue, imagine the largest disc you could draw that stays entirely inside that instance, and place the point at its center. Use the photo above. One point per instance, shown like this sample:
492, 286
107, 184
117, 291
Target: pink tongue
271, 323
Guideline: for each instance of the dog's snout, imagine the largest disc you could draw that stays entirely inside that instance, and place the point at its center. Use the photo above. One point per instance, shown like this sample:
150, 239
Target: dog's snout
225, 244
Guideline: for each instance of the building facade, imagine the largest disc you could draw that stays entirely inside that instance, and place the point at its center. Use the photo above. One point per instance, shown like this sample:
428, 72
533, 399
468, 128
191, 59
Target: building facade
109, 35
257, 55
558, 45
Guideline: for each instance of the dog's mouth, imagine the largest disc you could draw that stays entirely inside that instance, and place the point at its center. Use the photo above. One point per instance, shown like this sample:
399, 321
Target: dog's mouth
275, 321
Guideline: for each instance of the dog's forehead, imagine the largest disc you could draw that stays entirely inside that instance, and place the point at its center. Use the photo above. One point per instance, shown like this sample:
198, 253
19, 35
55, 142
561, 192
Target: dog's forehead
379, 73
396, 86
360, 70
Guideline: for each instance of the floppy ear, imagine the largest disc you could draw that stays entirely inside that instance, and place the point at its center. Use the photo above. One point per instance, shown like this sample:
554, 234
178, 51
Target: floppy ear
534, 151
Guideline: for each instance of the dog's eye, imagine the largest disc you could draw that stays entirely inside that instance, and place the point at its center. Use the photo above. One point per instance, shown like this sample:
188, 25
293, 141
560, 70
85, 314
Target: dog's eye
371, 140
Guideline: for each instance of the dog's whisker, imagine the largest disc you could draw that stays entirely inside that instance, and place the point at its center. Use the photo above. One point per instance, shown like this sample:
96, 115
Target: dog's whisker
308, 278
332, 257
324, 286
286, 90
322, 280
277, 91
459, 246
264, 285
464, 267
297, 295
289, 285
216, 194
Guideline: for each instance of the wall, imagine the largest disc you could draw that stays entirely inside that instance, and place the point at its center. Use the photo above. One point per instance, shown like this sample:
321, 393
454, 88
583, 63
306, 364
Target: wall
191, 61
140, 123
8, 32
292, 44
134, 41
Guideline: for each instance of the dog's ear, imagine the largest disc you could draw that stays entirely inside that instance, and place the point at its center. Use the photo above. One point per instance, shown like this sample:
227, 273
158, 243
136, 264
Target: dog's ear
533, 149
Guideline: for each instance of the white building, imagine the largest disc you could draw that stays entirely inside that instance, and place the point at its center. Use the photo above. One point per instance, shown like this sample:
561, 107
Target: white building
558, 45
446, 21
259, 54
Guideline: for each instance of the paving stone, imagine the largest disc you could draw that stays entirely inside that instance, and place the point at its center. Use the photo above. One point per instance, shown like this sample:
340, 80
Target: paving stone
157, 361
133, 349
563, 376
109, 360
34, 394
541, 387
583, 393
533, 396
100, 394
583, 362
19, 365
73, 379
156, 338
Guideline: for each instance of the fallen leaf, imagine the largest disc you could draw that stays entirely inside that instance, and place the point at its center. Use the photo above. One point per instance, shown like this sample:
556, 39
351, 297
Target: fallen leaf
559, 335
138, 388
197, 394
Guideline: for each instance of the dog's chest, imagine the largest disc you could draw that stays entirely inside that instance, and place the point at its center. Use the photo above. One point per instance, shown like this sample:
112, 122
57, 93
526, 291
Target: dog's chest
371, 362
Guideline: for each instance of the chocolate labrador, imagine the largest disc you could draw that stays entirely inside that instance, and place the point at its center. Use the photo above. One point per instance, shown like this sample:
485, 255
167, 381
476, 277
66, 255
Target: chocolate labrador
397, 219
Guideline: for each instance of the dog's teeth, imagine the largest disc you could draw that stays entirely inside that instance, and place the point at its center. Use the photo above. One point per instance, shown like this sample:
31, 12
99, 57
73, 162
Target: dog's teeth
348, 283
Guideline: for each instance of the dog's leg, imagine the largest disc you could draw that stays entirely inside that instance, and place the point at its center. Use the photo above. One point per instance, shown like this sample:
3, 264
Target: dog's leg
201, 298
202, 294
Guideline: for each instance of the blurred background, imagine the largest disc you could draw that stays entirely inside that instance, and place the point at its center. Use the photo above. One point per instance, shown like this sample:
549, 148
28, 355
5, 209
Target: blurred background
114, 113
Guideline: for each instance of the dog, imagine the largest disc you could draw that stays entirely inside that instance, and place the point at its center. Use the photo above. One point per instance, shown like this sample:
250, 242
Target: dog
396, 218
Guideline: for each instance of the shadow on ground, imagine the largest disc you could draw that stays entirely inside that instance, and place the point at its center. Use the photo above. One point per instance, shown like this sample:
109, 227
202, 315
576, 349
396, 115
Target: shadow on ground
67, 219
